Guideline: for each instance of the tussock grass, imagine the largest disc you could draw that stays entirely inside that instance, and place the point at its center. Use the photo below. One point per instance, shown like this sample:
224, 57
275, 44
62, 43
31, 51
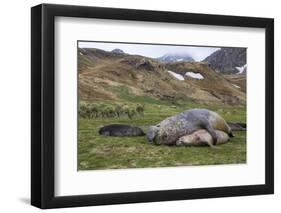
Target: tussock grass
104, 110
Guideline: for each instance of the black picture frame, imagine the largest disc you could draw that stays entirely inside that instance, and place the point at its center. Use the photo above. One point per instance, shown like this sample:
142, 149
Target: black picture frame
43, 102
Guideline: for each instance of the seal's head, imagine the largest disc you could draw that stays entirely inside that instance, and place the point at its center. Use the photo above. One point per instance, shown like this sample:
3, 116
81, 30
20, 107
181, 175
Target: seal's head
188, 140
151, 134
156, 135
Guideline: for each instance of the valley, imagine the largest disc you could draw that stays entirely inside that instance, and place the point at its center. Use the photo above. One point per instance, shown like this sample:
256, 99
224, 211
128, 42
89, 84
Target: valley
113, 84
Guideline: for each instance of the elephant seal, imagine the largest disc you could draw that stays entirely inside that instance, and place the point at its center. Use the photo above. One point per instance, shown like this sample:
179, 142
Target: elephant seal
121, 130
237, 126
202, 137
172, 128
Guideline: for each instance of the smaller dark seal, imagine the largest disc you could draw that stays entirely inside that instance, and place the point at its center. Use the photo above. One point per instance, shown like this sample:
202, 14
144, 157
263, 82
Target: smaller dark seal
121, 130
237, 126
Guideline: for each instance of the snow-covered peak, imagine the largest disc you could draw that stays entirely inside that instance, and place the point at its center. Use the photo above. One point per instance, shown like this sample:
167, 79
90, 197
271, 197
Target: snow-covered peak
176, 57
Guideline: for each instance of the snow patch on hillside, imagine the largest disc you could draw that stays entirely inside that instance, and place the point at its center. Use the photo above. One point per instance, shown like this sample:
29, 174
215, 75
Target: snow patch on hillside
194, 75
236, 86
176, 75
241, 69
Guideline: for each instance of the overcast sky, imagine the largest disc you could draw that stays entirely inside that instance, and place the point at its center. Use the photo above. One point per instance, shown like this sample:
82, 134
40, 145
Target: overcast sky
152, 51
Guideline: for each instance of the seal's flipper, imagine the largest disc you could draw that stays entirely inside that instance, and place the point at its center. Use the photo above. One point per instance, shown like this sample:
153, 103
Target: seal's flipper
209, 144
212, 132
231, 135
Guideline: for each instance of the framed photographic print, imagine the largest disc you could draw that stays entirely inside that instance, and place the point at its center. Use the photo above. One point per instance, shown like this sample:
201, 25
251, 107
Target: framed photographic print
139, 106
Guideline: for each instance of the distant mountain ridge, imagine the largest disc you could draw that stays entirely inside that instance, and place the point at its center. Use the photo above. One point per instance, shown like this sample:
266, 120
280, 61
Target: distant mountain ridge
114, 76
174, 57
228, 60
118, 51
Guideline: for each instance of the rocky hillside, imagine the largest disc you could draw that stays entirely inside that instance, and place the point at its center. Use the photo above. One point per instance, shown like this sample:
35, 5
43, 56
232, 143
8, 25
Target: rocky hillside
228, 60
119, 76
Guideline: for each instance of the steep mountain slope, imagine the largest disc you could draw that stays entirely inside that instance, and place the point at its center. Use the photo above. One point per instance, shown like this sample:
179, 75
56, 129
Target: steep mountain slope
228, 60
206, 79
239, 81
113, 76
176, 57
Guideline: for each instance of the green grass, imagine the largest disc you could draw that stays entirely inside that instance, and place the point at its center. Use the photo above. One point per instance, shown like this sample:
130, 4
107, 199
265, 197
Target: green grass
125, 94
100, 152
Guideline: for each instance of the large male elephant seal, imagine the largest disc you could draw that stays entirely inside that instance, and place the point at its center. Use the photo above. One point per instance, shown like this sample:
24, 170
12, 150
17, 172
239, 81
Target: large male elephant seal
202, 137
121, 130
172, 128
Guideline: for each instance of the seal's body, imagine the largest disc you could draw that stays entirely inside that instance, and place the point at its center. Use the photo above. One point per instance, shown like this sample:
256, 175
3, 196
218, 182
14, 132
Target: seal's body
202, 138
172, 128
237, 126
121, 130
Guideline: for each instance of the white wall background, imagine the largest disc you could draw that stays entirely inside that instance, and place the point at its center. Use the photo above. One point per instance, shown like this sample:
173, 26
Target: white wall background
15, 106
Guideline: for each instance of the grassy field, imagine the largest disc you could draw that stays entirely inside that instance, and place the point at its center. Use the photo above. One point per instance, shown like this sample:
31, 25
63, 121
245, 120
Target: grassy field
100, 152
